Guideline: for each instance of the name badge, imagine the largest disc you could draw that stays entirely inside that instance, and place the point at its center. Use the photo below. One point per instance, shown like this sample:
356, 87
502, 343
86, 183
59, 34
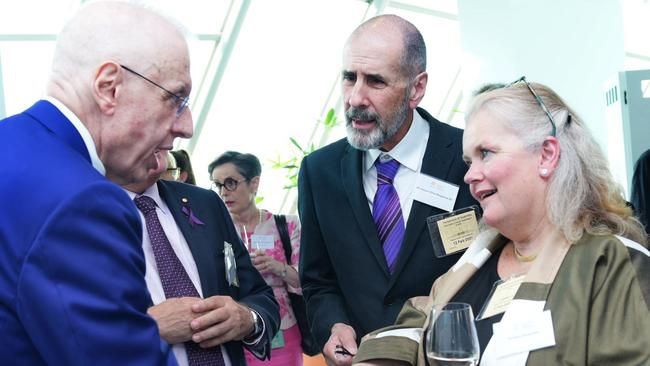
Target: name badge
262, 242
500, 297
435, 192
452, 232
529, 333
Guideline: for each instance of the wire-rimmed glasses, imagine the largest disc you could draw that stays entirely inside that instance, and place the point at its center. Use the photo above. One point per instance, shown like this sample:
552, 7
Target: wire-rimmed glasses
182, 102
539, 101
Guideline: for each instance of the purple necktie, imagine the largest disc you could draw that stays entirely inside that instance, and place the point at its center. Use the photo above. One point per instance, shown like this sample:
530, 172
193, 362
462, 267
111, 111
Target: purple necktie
387, 212
174, 278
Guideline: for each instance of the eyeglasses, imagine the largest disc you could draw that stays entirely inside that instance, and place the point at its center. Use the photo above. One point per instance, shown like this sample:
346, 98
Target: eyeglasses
539, 101
182, 102
175, 172
229, 184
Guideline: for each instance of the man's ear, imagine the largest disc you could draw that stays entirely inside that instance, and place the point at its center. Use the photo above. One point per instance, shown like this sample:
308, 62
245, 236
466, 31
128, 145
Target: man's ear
549, 156
417, 89
107, 85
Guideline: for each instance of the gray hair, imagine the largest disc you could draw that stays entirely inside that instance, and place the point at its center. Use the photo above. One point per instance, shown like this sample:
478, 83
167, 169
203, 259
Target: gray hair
582, 194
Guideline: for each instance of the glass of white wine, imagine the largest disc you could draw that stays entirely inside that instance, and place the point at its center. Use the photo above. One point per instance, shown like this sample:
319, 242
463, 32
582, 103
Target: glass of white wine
451, 338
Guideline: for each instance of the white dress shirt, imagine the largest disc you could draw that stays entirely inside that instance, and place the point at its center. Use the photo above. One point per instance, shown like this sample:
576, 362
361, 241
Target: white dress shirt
83, 131
409, 153
182, 250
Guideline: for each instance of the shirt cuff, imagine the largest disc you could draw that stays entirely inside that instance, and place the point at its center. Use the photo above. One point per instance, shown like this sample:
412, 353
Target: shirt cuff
255, 338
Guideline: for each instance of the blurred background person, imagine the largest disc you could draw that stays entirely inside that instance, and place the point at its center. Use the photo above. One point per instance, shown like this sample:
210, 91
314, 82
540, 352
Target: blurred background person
172, 172
236, 177
640, 195
184, 164
558, 230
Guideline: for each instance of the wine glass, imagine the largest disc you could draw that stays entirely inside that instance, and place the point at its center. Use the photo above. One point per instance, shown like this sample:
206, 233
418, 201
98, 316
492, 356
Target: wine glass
451, 338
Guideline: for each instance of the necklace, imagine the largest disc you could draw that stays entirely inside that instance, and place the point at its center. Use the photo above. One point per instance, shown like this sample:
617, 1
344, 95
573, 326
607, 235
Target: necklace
524, 258
259, 211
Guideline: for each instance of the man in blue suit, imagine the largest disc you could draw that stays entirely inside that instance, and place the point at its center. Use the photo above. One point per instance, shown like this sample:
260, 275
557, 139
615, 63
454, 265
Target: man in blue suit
72, 289
226, 315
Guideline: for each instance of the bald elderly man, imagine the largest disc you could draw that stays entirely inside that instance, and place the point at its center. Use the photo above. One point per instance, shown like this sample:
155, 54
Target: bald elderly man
72, 288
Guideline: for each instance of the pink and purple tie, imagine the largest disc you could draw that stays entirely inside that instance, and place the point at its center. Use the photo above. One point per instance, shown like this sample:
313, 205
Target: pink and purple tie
174, 278
387, 212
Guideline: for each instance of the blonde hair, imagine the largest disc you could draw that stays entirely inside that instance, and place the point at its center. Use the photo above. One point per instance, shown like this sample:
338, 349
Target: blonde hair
582, 194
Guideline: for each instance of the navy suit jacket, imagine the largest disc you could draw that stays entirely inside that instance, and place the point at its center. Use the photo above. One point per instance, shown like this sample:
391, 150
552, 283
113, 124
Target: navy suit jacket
206, 242
343, 270
72, 289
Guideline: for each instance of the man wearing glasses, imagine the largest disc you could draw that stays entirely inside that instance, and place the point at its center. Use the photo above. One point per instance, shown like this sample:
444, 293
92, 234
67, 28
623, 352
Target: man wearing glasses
72, 289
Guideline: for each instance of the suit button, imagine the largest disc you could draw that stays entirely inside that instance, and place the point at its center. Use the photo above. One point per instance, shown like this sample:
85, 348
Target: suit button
388, 301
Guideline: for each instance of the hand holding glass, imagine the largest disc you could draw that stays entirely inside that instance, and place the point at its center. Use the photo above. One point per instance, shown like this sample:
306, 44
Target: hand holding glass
451, 338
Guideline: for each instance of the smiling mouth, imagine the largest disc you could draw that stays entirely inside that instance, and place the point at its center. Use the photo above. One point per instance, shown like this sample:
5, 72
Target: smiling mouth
487, 194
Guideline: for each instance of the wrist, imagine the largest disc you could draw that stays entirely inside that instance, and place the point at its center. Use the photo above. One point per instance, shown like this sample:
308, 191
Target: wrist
257, 326
283, 273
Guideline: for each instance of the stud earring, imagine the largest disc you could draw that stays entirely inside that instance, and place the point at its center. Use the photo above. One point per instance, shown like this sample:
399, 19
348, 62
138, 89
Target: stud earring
543, 172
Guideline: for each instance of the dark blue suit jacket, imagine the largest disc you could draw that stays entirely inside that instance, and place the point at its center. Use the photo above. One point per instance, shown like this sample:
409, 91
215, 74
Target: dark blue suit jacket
343, 270
206, 243
72, 289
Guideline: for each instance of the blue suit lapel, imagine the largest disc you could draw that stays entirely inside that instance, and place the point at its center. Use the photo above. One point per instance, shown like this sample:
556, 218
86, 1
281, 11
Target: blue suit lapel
50, 117
353, 184
201, 246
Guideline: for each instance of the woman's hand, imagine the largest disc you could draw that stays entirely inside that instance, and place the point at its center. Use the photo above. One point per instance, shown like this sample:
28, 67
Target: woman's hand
266, 264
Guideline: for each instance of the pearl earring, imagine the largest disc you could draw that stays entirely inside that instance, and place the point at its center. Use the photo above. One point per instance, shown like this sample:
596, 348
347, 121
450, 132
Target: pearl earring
543, 172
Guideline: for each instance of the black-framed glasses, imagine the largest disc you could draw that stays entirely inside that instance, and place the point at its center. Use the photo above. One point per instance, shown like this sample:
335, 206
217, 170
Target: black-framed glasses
230, 184
539, 101
182, 102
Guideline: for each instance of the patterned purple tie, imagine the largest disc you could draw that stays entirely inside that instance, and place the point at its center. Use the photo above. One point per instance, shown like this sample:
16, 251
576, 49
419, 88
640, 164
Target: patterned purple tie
174, 278
387, 212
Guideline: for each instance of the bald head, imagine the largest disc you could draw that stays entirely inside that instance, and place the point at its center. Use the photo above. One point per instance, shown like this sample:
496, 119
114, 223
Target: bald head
118, 31
414, 53
124, 71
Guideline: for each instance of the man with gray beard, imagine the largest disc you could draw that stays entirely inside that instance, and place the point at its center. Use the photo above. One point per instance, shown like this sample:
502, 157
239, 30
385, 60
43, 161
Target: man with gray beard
365, 246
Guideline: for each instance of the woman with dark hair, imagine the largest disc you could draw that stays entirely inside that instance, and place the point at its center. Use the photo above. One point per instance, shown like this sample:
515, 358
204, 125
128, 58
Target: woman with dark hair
185, 165
236, 177
558, 238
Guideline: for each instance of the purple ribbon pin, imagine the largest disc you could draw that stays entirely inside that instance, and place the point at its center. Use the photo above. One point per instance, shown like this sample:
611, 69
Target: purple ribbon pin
190, 215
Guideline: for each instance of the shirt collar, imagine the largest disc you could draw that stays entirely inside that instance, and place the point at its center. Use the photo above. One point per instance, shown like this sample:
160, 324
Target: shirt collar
153, 193
404, 152
83, 131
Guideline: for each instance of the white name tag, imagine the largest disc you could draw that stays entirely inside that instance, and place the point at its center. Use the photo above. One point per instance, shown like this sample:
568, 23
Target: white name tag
435, 192
262, 242
525, 334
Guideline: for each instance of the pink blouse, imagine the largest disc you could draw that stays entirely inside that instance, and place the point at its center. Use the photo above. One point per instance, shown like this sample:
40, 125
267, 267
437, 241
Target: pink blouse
280, 288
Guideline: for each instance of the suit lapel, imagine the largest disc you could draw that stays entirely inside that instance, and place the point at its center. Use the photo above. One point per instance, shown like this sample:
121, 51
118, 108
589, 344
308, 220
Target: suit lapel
353, 184
50, 117
437, 160
195, 237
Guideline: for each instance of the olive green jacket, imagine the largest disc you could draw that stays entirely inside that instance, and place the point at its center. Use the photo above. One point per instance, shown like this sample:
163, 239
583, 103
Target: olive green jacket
597, 291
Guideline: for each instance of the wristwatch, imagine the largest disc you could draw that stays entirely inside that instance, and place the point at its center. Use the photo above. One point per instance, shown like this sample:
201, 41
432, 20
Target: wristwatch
257, 323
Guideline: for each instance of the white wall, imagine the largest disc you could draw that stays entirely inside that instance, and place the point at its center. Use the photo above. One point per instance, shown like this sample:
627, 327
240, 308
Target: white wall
574, 46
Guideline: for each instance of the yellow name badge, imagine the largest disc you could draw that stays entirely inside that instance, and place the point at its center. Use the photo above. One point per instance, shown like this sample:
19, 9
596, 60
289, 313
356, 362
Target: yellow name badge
503, 291
454, 231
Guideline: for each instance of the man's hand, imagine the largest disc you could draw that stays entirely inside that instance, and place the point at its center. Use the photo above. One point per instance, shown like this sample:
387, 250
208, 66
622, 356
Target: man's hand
173, 317
221, 320
341, 346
